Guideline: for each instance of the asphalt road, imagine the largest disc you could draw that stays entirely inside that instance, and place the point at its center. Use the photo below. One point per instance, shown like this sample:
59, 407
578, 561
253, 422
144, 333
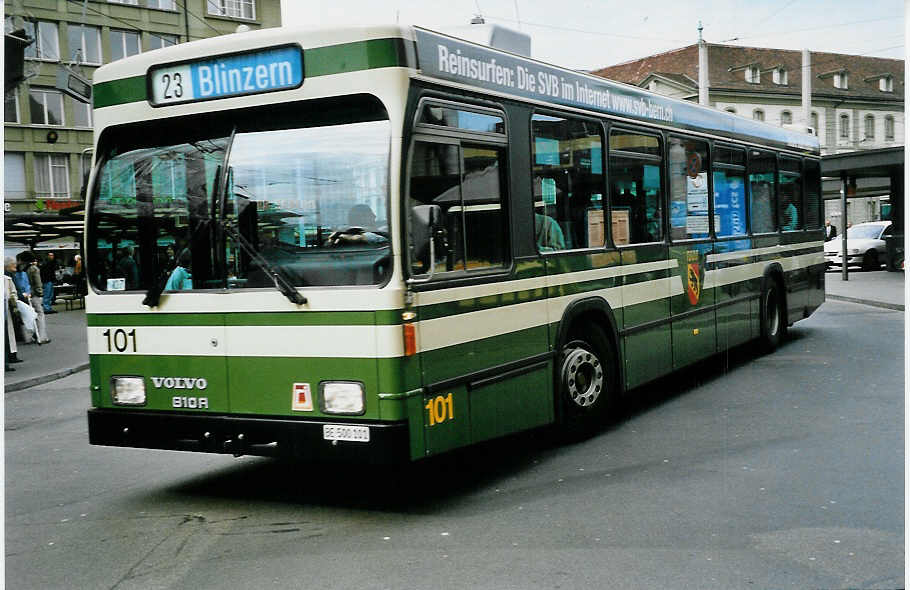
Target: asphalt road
779, 471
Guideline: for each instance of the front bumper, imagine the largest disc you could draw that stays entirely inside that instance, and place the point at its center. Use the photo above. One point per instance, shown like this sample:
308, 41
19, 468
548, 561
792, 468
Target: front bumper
238, 435
837, 259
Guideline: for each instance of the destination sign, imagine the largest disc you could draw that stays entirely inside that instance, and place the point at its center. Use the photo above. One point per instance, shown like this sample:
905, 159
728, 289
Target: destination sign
459, 61
232, 75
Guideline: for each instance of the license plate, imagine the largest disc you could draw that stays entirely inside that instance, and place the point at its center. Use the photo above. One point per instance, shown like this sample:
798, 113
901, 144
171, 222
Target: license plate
346, 433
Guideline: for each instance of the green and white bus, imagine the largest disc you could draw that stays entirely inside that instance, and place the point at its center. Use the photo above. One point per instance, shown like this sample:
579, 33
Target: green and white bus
383, 243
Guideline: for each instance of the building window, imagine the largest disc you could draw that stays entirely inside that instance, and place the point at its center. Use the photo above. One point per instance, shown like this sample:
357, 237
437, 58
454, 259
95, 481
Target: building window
52, 176
46, 107
82, 113
840, 80
162, 4
124, 44
870, 126
11, 107
779, 76
753, 75
160, 40
46, 46
786, 118
886, 84
85, 44
232, 8
14, 176
814, 122
889, 127
845, 127
130, 2
758, 115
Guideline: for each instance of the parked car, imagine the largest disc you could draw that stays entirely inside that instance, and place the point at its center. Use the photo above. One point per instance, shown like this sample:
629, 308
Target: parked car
865, 246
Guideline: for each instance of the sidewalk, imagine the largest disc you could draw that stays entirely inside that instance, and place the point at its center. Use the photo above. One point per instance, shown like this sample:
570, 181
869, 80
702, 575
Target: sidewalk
66, 353
879, 288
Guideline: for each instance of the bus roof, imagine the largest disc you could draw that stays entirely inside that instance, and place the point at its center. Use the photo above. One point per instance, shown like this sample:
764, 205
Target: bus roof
445, 59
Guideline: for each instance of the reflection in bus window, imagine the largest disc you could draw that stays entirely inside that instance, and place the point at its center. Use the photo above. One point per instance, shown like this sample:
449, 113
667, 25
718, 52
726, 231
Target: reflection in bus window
762, 186
636, 210
567, 163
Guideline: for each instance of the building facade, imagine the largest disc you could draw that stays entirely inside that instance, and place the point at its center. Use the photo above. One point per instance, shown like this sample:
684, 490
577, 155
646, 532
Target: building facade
48, 133
857, 102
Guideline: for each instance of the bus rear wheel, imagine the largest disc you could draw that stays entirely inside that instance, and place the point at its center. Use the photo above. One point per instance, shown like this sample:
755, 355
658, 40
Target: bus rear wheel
587, 382
773, 323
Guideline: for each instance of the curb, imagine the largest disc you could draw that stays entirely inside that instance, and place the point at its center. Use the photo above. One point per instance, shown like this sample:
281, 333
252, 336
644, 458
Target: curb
42, 379
882, 304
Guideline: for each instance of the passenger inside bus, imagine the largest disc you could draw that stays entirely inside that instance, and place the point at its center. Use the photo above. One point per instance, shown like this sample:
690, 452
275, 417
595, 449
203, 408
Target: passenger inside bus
548, 233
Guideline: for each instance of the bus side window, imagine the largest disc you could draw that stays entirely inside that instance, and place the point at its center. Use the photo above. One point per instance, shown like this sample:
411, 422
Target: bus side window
791, 194
436, 180
466, 183
567, 175
762, 191
729, 192
813, 194
688, 189
636, 206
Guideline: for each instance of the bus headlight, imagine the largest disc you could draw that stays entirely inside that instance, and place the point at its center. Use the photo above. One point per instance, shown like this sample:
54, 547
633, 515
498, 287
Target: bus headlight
128, 391
342, 397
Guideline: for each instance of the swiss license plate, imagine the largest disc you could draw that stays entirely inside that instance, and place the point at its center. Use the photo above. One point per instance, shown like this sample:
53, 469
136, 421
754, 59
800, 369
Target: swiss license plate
346, 433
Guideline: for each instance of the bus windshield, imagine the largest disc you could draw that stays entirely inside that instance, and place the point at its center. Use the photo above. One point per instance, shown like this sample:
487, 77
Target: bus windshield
307, 202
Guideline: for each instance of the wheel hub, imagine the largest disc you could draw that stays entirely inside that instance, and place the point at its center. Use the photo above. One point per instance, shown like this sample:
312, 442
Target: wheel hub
583, 376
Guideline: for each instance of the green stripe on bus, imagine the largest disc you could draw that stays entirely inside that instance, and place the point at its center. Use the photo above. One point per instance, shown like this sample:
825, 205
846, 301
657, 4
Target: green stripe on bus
314, 318
352, 57
318, 61
107, 94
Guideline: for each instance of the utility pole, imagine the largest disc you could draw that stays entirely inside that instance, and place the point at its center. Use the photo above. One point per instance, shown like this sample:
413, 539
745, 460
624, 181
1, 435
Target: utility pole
703, 81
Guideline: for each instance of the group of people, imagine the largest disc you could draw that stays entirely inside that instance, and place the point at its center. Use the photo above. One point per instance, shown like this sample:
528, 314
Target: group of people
28, 289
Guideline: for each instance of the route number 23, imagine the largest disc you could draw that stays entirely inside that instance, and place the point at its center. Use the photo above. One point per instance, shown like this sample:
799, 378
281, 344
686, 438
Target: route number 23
439, 409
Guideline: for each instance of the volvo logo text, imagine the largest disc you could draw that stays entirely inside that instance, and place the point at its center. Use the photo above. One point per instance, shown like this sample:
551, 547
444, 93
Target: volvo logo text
180, 382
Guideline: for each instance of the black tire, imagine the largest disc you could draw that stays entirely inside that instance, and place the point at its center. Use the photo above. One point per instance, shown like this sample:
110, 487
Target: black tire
870, 261
773, 315
588, 382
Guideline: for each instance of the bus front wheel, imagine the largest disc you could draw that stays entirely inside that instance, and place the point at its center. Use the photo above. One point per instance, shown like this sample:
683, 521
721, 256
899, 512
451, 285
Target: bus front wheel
587, 381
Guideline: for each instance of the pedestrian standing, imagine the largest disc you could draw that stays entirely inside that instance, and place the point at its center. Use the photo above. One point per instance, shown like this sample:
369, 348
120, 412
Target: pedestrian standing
12, 299
48, 277
34, 280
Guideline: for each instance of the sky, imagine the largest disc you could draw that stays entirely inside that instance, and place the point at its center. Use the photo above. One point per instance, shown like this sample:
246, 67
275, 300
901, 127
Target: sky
590, 34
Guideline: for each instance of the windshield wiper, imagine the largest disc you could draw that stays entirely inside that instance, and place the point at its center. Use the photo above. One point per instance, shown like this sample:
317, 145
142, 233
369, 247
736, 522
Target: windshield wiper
281, 283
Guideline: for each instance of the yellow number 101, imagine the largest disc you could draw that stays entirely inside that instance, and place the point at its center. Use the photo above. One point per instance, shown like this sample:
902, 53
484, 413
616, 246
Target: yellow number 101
439, 409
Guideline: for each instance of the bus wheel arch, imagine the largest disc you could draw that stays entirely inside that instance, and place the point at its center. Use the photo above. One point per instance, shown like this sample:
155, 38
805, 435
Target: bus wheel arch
773, 308
587, 373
